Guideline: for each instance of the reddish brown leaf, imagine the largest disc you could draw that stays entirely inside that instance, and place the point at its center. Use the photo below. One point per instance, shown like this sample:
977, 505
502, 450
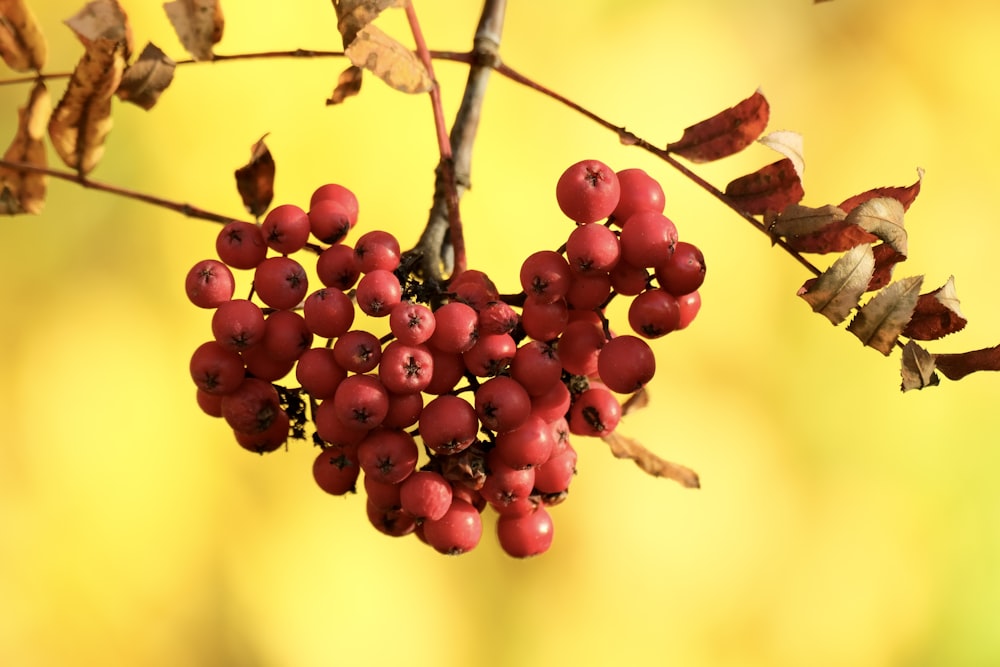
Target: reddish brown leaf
937, 314
348, 85
917, 368
24, 191
767, 190
82, 119
725, 133
906, 195
957, 366
879, 322
255, 180
198, 24
624, 447
837, 236
22, 43
147, 77
102, 18
886, 259
354, 15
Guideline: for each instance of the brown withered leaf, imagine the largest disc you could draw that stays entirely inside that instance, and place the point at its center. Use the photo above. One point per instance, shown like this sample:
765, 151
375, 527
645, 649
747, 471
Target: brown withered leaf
636, 401
836, 292
24, 191
354, 15
146, 78
767, 190
906, 194
22, 43
788, 144
255, 179
389, 60
798, 220
102, 18
879, 322
82, 119
937, 314
725, 133
882, 217
917, 368
957, 366
198, 24
886, 259
348, 85
624, 447
837, 236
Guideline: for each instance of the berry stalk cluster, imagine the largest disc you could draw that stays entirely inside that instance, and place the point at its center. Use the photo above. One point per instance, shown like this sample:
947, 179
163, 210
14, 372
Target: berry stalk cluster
444, 399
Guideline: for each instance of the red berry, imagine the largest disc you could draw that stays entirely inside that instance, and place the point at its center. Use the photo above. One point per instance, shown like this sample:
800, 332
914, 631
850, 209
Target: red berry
286, 229
545, 276
286, 335
210, 404
405, 368
238, 324
525, 535
448, 424
449, 369
262, 365
216, 369
337, 268
361, 401
491, 354
329, 313
455, 327
683, 272
318, 372
588, 291
329, 221
588, 191
647, 238
377, 250
591, 248
505, 485
639, 192
688, 305
253, 407
280, 282
502, 404
536, 367
626, 363
457, 532
544, 321
579, 346
654, 313
392, 522
404, 410
553, 404
411, 323
378, 291
336, 470
425, 495
528, 445
388, 455
595, 412
241, 245
555, 475
268, 440
339, 194
209, 283
335, 431
357, 351
496, 317
628, 280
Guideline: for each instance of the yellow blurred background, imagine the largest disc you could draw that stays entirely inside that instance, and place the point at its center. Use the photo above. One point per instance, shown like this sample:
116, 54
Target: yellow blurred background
840, 522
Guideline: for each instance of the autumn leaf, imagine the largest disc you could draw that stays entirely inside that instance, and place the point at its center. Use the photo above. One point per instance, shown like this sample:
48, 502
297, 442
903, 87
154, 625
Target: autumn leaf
389, 60
725, 133
348, 85
769, 189
24, 191
635, 402
906, 195
624, 447
879, 322
198, 24
82, 119
797, 220
838, 289
936, 315
22, 43
255, 180
354, 15
146, 78
957, 366
886, 259
788, 144
102, 18
883, 218
837, 236
917, 368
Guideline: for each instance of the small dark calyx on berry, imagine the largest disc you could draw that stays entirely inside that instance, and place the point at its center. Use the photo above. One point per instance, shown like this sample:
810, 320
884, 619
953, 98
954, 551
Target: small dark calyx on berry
594, 177
412, 368
592, 416
538, 286
240, 341
265, 417
340, 461
652, 331
362, 415
385, 465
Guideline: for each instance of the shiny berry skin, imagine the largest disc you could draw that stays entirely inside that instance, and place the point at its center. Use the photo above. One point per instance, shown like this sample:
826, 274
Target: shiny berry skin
502, 404
654, 313
280, 282
457, 532
318, 372
647, 239
405, 368
545, 276
285, 229
587, 191
376, 250
626, 363
329, 221
238, 324
361, 401
536, 367
491, 354
286, 335
393, 522
209, 283
216, 368
639, 192
338, 193
556, 474
358, 351
241, 245
544, 321
592, 248
253, 407
425, 495
388, 455
337, 267
411, 323
328, 312
448, 424
525, 535
579, 346
528, 445
596, 412
456, 327
378, 291
684, 270
688, 305
336, 470
268, 440
506, 486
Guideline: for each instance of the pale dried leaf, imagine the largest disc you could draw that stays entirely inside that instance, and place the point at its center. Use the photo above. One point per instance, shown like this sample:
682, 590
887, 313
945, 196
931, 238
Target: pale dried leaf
948, 296
788, 144
22, 43
879, 322
883, 217
146, 78
24, 191
354, 15
838, 289
389, 60
917, 369
624, 447
798, 220
102, 18
82, 119
348, 85
636, 401
198, 24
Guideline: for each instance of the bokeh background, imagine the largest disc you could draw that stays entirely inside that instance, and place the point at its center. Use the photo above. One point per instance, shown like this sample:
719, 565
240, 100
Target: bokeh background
840, 522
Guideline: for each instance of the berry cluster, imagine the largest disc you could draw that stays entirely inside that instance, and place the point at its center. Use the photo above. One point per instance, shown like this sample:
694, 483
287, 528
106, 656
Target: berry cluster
493, 385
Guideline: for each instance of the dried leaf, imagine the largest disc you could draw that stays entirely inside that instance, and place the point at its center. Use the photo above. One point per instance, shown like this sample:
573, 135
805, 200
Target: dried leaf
937, 314
906, 195
348, 85
82, 119
788, 144
624, 447
22, 43
24, 191
798, 220
146, 78
389, 60
102, 18
886, 259
883, 217
767, 190
198, 24
879, 322
917, 369
837, 236
957, 366
255, 180
836, 292
636, 401
354, 15
725, 133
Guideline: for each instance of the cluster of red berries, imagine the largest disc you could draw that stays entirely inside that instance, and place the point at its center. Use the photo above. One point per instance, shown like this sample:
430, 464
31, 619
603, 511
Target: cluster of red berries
492, 385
